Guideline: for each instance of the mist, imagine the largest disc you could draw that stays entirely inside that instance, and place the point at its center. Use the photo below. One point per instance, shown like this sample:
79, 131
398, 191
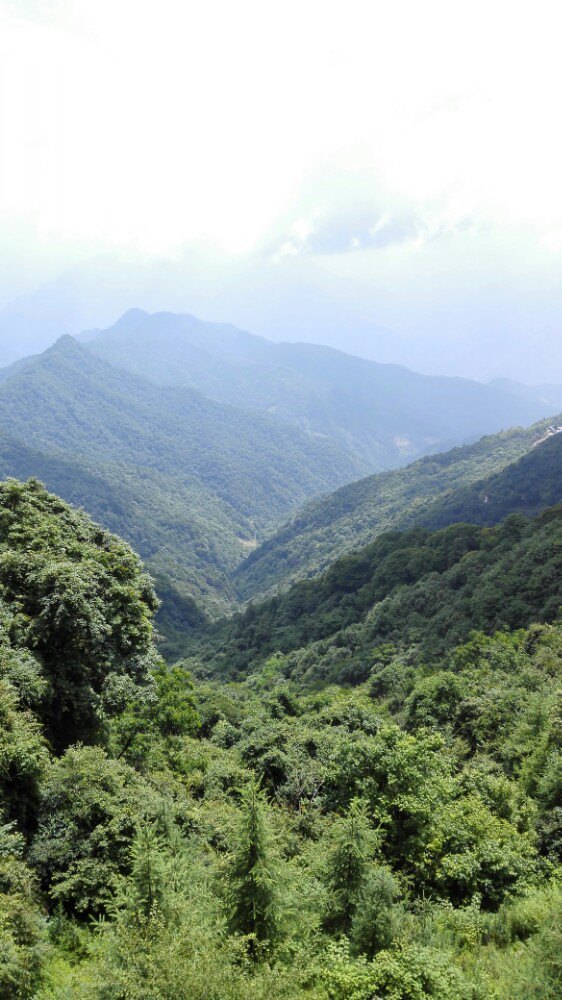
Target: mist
350, 181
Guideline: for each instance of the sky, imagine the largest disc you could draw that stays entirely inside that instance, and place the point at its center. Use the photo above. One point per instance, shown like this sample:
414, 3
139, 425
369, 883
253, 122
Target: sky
400, 161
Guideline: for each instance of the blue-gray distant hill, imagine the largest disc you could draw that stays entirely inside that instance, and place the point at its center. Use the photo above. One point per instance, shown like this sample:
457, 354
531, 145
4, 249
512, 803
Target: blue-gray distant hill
382, 415
549, 393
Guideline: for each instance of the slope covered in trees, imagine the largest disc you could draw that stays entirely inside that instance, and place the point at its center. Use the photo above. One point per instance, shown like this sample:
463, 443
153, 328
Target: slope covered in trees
192, 484
434, 491
70, 400
186, 539
76, 611
381, 414
415, 587
526, 486
163, 838
195, 485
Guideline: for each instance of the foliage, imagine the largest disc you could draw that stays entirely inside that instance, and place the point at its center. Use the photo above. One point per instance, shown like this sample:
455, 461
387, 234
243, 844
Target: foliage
90, 808
376, 919
282, 837
77, 599
22, 929
347, 865
251, 877
23, 760
406, 974
429, 589
480, 483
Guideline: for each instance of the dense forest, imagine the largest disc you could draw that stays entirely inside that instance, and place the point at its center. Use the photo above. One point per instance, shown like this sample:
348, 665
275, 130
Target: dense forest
415, 586
196, 482
396, 834
464, 483
190, 483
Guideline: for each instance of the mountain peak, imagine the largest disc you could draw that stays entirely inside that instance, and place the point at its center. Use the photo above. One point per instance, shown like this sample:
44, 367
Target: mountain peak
66, 346
130, 319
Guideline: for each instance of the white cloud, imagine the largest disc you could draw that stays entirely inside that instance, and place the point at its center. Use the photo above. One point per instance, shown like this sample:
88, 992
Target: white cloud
151, 124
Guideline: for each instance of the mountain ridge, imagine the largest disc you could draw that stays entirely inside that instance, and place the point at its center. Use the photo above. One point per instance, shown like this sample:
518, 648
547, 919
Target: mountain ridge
382, 414
353, 515
192, 483
424, 588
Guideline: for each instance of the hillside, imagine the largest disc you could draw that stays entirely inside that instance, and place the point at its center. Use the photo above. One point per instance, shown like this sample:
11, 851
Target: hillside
382, 415
71, 400
191, 482
526, 486
170, 838
187, 551
417, 588
425, 492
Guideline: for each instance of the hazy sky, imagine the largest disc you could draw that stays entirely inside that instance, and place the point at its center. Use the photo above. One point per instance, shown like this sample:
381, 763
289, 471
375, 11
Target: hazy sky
409, 148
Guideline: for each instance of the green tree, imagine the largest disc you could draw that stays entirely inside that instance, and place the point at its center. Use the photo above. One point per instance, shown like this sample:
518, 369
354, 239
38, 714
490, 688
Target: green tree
472, 852
22, 928
90, 809
78, 600
148, 874
158, 713
23, 760
347, 866
374, 921
253, 897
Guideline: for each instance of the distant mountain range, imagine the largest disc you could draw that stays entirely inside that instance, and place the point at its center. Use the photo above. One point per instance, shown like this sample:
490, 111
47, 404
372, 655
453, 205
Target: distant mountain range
382, 415
304, 299
196, 441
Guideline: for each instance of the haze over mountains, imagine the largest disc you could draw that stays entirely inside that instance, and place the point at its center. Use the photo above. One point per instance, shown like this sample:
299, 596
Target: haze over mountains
381, 414
196, 441
351, 300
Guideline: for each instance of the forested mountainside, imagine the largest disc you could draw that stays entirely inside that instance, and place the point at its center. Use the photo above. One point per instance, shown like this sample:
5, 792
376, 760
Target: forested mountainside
71, 400
167, 838
415, 587
434, 491
527, 485
382, 415
186, 539
191, 483
194, 485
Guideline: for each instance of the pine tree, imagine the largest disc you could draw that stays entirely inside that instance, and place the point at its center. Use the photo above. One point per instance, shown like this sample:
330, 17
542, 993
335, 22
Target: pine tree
374, 920
148, 874
347, 867
252, 878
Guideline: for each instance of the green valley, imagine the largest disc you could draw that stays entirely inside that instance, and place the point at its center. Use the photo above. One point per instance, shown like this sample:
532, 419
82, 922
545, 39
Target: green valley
191, 483
434, 491
197, 485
